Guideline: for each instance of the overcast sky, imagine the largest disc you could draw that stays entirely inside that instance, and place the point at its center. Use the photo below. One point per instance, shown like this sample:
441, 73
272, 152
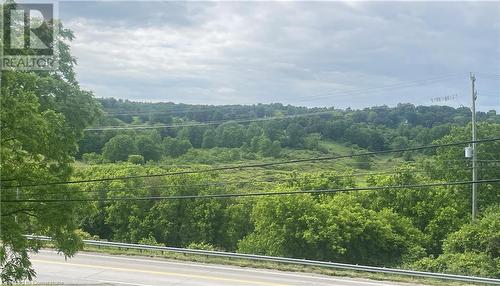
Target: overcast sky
342, 54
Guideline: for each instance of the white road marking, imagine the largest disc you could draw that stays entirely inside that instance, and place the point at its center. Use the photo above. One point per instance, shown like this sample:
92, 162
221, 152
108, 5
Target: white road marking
235, 268
116, 282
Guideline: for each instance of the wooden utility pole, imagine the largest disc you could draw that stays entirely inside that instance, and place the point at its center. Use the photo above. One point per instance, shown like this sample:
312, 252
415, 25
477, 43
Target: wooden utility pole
474, 149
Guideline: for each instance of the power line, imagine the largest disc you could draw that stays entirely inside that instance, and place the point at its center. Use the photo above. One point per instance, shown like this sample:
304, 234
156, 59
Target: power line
191, 109
270, 180
247, 182
214, 108
206, 123
259, 165
492, 75
349, 92
255, 194
384, 87
249, 117
468, 160
187, 108
242, 118
148, 188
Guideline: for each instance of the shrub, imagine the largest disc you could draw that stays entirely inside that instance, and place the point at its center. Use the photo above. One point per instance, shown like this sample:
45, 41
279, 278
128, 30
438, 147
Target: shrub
201, 246
136, 159
93, 158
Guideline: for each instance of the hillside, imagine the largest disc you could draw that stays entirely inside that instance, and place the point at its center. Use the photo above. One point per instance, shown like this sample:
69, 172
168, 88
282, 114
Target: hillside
239, 150
221, 134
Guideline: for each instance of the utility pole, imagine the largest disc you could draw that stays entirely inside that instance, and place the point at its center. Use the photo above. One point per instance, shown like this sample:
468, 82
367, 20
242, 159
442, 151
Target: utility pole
474, 149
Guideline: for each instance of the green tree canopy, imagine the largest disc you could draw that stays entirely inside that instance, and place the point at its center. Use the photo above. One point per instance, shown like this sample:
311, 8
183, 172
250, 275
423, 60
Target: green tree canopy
148, 147
42, 117
119, 147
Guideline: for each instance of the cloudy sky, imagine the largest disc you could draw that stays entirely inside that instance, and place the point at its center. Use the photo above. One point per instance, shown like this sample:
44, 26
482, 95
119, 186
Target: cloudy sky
338, 54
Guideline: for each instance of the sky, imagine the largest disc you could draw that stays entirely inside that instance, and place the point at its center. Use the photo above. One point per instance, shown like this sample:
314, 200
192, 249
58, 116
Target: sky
341, 54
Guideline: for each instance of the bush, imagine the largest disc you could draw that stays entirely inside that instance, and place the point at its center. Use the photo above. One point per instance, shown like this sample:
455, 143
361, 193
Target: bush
329, 228
481, 237
176, 147
201, 246
363, 162
150, 241
469, 263
472, 250
119, 147
93, 158
311, 141
136, 159
83, 234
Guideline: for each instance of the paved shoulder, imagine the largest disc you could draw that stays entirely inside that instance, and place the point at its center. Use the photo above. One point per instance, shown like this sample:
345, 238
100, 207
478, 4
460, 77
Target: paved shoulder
88, 268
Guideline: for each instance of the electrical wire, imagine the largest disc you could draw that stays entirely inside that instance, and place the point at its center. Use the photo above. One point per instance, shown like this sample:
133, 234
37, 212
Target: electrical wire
349, 92
248, 182
382, 88
258, 165
188, 109
206, 123
255, 194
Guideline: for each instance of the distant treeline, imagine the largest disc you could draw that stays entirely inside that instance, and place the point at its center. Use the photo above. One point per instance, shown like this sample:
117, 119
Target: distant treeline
377, 128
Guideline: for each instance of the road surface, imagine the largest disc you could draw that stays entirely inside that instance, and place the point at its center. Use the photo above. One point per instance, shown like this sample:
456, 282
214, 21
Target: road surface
92, 269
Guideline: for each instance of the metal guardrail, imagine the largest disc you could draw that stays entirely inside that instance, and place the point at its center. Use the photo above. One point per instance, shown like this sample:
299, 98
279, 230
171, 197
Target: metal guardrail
354, 267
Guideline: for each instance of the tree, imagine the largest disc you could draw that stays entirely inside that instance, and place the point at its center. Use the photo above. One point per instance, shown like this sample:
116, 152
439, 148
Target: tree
193, 134
119, 147
136, 159
436, 211
253, 130
295, 135
449, 164
230, 134
480, 237
335, 130
159, 117
148, 148
117, 220
358, 135
311, 141
176, 147
329, 228
275, 150
255, 143
474, 249
209, 139
265, 145
273, 130
43, 116
181, 223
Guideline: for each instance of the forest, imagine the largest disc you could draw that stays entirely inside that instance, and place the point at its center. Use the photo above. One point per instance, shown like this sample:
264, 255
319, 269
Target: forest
384, 186
424, 228
231, 133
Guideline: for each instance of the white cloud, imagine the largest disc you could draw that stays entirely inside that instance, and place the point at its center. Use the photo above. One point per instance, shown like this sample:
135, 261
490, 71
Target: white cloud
308, 53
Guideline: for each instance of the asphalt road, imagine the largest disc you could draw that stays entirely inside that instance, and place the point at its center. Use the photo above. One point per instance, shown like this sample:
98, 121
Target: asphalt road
91, 268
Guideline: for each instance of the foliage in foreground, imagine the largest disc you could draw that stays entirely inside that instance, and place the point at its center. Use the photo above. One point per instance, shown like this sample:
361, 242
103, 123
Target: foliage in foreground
42, 117
472, 250
44, 114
